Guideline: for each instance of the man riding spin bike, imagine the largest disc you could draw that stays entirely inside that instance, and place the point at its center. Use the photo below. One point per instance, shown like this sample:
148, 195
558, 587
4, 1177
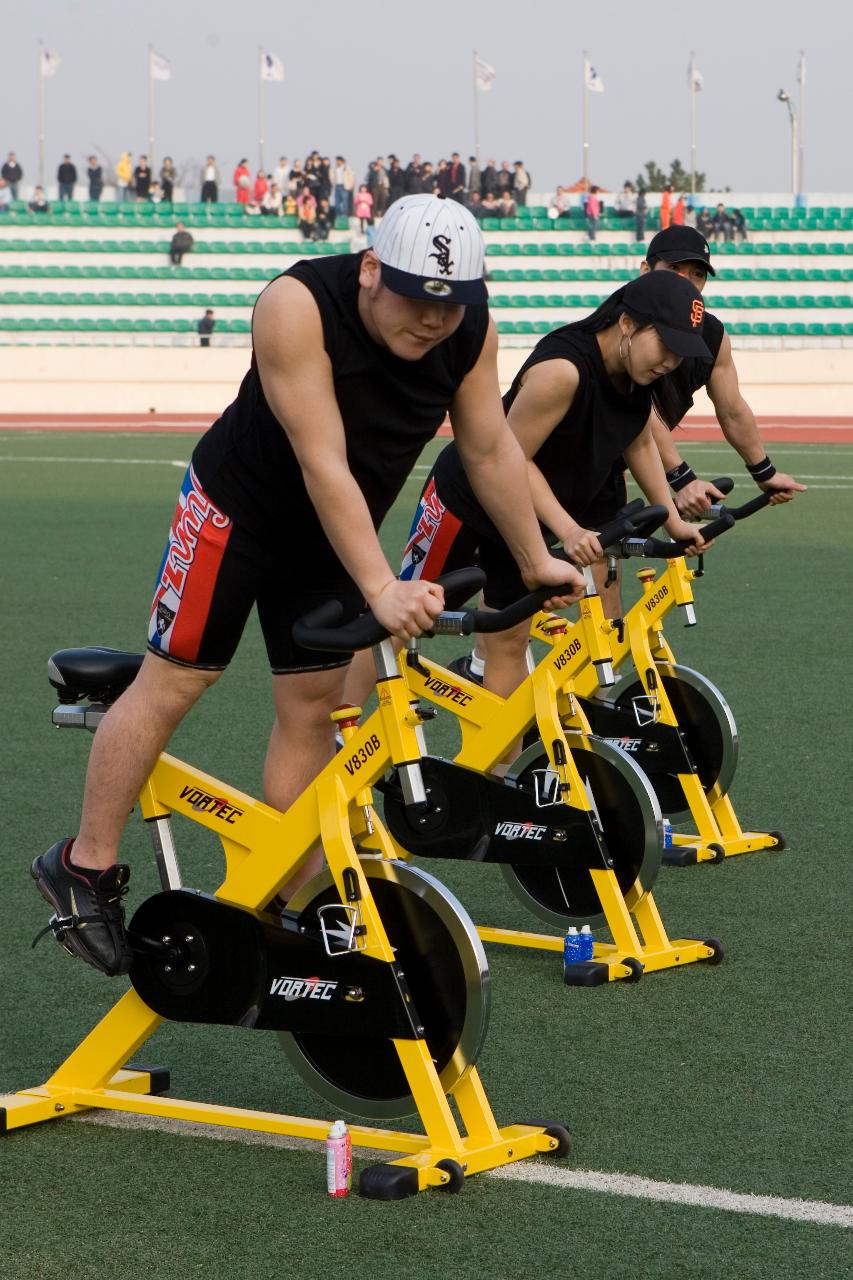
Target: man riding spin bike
356, 360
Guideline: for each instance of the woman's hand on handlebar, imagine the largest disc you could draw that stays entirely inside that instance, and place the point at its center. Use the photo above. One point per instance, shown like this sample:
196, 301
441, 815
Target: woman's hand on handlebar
682, 531
582, 546
556, 573
406, 609
695, 498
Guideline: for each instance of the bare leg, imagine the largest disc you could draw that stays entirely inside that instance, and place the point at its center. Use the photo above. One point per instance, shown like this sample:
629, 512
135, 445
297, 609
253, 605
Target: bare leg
611, 597
506, 669
301, 745
361, 676
127, 743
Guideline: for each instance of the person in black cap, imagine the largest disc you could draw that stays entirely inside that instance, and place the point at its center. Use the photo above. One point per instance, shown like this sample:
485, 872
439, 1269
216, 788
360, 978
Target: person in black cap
581, 400
686, 251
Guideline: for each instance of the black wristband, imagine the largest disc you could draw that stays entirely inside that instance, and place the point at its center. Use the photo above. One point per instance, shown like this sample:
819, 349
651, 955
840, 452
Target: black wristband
679, 477
761, 471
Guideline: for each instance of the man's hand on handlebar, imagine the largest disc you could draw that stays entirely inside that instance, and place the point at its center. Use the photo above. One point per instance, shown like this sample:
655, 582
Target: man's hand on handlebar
782, 487
556, 573
695, 498
406, 609
582, 546
682, 531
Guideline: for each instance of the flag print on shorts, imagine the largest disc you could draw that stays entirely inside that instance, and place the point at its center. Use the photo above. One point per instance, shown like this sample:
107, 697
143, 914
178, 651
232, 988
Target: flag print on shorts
431, 536
187, 576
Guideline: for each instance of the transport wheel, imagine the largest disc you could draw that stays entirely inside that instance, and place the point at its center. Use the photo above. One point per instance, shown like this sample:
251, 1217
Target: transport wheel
705, 719
456, 1175
636, 969
442, 958
630, 824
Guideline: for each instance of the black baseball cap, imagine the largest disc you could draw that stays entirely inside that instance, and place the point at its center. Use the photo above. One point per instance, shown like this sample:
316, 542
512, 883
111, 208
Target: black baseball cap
681, 244
670, 303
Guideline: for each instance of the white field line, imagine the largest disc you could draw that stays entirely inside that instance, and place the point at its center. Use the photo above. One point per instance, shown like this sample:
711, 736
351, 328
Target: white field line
553, 1176
119, 462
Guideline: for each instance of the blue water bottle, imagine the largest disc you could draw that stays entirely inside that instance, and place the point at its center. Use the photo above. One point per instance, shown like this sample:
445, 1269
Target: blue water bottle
586, 943
571, 947
667, 833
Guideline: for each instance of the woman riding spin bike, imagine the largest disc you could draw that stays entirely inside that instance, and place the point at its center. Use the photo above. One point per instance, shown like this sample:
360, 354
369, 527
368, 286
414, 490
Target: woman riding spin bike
581, 400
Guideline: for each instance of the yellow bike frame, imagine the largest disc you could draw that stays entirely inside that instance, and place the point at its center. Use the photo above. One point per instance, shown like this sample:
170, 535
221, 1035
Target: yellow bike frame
639, 637
263, 848
491, 725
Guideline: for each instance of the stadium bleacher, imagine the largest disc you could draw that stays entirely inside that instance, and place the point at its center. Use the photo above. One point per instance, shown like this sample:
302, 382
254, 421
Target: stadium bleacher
99, 273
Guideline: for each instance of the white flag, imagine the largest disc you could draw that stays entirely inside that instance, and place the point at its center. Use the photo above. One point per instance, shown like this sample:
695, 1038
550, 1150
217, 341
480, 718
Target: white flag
695, 79
591, 78
272, 68
50, 63
483, 74
161, 68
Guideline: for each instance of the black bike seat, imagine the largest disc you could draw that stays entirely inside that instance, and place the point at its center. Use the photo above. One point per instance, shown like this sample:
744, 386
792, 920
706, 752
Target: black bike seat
100, 675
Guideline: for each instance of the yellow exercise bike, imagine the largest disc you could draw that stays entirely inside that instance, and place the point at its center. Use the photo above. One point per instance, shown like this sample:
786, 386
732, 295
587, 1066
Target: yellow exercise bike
675, 723
575, 826
374, 976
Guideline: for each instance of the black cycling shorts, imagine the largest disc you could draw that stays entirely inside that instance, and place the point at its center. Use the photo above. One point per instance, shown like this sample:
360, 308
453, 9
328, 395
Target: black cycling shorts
213, 571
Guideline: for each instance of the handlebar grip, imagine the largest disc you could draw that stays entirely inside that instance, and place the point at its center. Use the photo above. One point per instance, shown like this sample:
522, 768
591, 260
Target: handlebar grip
319, 629
725, 484
655, 548
749, 508
518, 611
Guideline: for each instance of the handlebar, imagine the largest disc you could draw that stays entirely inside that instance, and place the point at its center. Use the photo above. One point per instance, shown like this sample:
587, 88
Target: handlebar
758, 503
320, 630
657, 548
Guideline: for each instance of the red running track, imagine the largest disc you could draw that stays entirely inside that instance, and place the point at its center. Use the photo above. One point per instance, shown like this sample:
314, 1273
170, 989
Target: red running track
773, 429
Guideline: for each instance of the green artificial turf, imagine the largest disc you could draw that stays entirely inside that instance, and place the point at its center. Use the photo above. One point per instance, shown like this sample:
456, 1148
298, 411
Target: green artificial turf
732, 1076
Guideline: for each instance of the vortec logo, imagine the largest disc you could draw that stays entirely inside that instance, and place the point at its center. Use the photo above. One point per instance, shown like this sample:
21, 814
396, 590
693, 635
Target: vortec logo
657, 597
303, 988
520, 831
442, 689
203, 802
626, 744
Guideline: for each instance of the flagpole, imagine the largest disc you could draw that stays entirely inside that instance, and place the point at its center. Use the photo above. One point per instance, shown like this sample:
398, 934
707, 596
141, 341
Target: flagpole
41, 111
476, 110
261, 110
585, 123
150, 111
692, 123
802, 184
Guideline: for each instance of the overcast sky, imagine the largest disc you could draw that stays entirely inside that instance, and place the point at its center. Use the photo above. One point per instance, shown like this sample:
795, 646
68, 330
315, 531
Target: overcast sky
371, 76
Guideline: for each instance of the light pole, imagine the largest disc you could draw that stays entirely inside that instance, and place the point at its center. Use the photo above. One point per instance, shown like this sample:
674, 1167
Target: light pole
784, 96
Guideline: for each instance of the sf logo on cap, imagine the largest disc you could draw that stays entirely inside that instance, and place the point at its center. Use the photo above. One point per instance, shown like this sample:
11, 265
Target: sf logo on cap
697, 311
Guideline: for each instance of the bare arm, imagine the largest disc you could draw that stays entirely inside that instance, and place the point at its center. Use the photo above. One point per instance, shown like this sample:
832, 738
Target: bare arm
496, 468
739, 427
296, 376
544, 399
738, 422
647, 469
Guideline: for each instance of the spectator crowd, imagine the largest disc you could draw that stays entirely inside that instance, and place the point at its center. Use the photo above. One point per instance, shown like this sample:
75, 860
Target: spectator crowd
318, 190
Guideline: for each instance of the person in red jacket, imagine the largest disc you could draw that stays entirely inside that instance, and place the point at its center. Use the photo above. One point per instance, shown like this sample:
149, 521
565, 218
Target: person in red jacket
678, 211
242, 182
261, 187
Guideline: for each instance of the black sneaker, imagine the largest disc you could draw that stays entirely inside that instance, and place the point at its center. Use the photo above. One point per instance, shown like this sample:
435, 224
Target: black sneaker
462, 667
89, 919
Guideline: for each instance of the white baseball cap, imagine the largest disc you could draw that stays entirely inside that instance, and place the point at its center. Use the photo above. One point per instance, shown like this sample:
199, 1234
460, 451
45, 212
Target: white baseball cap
431, 247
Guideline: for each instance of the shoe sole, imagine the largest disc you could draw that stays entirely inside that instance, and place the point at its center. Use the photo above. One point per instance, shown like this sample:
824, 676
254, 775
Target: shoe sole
70, 943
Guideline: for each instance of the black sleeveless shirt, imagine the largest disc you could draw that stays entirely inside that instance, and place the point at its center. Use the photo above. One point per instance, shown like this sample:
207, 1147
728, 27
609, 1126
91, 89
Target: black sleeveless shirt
390, 409
578, 455
694, 371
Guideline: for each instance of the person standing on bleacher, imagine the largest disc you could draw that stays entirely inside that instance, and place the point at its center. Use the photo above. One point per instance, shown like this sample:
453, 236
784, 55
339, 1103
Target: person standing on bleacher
66, 177
95, 174
210, 182
12, 173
